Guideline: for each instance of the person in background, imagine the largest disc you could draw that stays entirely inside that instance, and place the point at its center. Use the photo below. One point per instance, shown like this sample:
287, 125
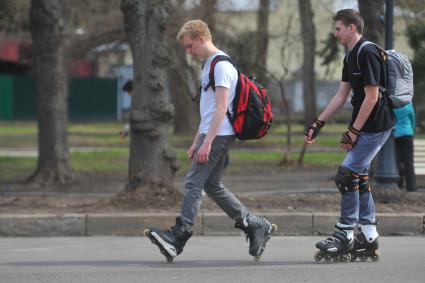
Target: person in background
127, 88
404, 132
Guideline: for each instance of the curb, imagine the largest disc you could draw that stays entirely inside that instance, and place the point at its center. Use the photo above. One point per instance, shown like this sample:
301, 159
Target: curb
207, 224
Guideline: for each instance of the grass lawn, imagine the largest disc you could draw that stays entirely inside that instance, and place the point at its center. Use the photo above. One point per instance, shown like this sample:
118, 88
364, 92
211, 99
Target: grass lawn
112, 153
115, 161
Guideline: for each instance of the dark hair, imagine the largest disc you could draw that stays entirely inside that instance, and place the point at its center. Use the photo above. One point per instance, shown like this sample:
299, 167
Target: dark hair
348, 17
128, 86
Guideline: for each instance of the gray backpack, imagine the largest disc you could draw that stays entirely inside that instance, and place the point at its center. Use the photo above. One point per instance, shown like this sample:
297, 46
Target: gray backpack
399, 75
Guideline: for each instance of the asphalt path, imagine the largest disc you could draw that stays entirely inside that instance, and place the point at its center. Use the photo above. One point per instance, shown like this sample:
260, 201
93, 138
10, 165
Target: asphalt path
205, 259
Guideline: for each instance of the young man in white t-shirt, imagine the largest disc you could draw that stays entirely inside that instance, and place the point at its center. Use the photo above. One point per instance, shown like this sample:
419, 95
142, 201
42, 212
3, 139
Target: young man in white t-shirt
208, 151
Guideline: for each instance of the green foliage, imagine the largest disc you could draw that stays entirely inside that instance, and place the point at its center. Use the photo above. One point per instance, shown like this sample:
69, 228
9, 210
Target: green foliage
416, 35
330, 50
14, 16
242, 49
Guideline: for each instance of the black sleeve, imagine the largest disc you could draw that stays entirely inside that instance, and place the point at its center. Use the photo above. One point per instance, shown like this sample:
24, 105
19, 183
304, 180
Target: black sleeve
370, 66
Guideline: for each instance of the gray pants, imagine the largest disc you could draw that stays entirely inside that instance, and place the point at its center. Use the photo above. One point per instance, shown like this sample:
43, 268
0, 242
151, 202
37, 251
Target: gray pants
208, 177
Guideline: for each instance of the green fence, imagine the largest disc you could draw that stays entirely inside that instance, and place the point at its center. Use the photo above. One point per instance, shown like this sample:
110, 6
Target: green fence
6, 97
90, 99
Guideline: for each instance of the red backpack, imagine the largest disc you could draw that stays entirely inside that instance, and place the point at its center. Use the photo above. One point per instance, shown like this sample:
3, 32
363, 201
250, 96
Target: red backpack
252, 110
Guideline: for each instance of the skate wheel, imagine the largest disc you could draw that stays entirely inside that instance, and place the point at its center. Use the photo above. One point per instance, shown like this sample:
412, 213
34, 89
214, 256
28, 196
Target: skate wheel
337, 258
318, 256
346, 258
363, 258
353, 258
327, 257
274, 227
375, 257
146, 232
167, 257
257, 258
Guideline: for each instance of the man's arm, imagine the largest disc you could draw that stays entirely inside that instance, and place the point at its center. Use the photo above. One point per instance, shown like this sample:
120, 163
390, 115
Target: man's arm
221, 94
336, 102
191, 149
371, 98
125, 131
334, 105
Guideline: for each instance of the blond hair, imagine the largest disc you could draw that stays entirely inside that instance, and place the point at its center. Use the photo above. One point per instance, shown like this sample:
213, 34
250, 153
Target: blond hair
194, 29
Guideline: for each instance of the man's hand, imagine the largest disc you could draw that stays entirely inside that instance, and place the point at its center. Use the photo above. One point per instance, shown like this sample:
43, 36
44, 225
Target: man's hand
203, 153
349, 138
123, 135
191, 151
124, 131
313, 131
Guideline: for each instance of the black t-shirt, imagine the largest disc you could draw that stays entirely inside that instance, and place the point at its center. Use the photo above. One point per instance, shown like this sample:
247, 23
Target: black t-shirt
372, 73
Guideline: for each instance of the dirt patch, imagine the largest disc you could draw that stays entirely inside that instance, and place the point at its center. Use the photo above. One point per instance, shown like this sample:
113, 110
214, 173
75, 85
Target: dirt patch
167, 201
286, 190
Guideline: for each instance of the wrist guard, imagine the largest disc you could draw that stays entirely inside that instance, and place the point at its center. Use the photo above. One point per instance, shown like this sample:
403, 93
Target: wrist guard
354, 130
347, 139
316, 127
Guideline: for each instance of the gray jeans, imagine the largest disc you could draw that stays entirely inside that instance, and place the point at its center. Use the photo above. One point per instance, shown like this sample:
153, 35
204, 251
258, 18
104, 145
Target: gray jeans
208, 177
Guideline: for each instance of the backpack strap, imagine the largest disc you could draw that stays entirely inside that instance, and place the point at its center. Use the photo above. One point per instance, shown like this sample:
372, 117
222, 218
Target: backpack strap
364, 43
211, 84
214, 62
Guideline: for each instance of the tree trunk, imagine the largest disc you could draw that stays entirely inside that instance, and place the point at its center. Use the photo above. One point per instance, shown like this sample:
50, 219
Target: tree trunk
184, 97
286, 159
152, 162
208, 9
48, 24
309, 46
373, 14
182, 75
262, 40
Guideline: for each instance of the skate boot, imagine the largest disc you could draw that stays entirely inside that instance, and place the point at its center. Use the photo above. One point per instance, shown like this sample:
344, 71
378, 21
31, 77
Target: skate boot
258, 231
170, 242
366, 244
337, 247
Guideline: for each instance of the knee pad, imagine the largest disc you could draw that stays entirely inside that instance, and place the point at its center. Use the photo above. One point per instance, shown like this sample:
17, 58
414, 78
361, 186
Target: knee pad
346, 180
364, 186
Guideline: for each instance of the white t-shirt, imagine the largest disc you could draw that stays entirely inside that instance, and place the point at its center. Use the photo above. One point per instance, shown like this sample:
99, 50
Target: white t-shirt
225, 75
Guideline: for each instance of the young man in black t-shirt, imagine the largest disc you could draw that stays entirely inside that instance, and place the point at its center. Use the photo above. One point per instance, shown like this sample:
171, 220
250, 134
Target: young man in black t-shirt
370, 126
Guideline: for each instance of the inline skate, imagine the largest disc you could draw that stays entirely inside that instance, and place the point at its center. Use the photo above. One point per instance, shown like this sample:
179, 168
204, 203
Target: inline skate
258, 231
170, 242
335, 248
366, 244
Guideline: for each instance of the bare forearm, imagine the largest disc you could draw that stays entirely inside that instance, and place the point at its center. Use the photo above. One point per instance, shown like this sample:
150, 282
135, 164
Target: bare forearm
216, 122
220, 112
195, 138
371, 98
335, 104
